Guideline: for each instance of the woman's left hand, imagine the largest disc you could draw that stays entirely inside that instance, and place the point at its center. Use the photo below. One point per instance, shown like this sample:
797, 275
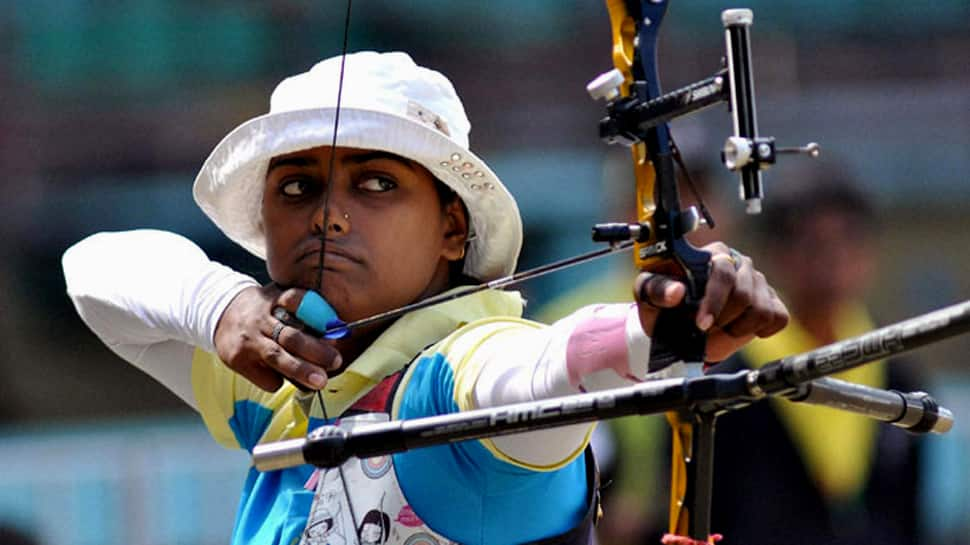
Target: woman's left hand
738, 303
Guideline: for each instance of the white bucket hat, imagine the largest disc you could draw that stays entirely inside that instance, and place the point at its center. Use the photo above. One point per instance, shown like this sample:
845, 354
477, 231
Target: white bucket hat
389, 104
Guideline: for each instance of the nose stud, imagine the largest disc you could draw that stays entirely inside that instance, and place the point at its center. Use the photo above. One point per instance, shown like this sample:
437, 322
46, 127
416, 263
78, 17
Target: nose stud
336, 227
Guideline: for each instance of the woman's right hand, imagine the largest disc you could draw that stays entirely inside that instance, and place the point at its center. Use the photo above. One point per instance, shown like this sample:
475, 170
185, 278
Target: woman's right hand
254, 343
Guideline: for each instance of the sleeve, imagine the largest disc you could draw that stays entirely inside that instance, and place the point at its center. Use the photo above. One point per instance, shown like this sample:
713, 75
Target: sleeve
239, 414
493, 484
151, 296
596, 348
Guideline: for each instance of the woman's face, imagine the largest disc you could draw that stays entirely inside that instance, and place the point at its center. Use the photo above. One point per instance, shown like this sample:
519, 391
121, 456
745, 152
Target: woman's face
828, 261
371, 533
389, 241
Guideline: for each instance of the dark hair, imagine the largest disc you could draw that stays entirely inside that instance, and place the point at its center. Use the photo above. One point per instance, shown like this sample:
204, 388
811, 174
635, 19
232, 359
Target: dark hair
810, 191
456, 275
379, 518
10, 535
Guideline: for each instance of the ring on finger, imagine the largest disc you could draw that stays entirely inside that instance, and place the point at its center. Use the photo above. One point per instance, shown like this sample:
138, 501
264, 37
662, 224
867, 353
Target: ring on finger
277, 329
733, 256
284, 316
738, 257
735, 263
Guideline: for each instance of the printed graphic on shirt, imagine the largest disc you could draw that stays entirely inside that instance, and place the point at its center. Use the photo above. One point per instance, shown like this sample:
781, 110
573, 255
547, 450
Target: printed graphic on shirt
421, 539
375, 468
329, 520
375, 512
407, 517
374, 528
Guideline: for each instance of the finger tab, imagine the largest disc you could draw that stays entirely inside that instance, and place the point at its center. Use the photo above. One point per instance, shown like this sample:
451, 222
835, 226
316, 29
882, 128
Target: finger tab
317, 313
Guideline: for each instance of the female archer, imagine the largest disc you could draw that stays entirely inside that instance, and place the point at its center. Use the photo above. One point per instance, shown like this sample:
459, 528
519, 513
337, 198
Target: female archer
392, 209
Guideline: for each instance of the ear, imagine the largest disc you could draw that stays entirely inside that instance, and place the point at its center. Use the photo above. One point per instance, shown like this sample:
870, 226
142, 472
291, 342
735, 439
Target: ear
456, 230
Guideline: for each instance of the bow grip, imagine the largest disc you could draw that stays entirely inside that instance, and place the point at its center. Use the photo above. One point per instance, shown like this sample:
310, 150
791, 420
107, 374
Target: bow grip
676, 336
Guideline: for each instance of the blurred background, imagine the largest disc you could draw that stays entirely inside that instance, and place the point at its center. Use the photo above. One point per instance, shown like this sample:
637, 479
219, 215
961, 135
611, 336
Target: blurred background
109, 108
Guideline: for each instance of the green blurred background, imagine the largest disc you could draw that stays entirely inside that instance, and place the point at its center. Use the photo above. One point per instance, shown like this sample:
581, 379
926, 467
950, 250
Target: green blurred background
107, 109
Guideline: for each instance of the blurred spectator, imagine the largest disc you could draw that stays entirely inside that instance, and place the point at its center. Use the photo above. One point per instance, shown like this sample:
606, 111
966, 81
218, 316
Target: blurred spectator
10, 535
794, 474
801, 474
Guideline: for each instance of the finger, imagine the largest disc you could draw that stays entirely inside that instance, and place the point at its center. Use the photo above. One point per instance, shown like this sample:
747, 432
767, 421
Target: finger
721, 345
760, 310
292, 367
302, 345
780, 318
263, 377
290, 299
744, 295
721, 283
659, 291
287, 318
653, 293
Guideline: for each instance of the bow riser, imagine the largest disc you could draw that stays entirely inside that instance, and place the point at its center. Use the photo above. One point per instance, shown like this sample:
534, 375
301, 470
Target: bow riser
662, 222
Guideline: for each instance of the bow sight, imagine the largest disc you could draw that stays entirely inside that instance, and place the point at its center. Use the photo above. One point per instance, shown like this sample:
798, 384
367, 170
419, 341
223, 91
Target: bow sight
630, 117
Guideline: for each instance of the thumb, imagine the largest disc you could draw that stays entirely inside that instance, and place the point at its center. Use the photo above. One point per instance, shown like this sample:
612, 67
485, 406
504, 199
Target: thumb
653, 293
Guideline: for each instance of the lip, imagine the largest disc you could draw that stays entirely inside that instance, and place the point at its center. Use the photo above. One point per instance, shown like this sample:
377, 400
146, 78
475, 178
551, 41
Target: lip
333, 251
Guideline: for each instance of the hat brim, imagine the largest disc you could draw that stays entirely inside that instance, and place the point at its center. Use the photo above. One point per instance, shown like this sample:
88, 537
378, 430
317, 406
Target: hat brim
229, 187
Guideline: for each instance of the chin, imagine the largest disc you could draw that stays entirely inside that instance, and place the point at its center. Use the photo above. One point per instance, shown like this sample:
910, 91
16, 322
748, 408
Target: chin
339, 298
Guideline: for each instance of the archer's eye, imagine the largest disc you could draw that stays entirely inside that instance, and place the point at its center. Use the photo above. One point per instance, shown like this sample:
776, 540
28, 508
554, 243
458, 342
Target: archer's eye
295, 187
377, 184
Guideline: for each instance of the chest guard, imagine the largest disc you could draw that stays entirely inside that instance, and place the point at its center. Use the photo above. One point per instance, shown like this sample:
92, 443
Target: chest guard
361, 502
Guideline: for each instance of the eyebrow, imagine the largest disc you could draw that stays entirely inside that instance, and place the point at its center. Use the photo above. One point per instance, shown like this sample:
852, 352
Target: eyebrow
376, 155
291, 162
